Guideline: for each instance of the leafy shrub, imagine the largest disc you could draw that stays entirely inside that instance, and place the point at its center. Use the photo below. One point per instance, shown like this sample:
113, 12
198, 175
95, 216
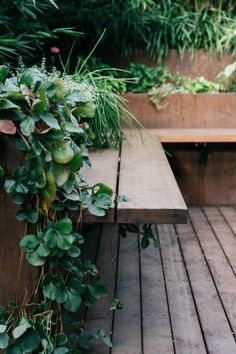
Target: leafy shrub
155, 26
51, 115
25, 30
146, 77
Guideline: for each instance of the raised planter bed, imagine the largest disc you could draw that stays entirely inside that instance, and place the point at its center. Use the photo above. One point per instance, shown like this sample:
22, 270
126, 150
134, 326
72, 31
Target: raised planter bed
204, 110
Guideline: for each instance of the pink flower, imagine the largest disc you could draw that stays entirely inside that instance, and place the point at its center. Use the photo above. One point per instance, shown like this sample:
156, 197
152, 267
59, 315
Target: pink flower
7, 127
55, 50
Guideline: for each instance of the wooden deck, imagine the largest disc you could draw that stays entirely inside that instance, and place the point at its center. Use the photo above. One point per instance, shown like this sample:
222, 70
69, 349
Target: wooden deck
179, 300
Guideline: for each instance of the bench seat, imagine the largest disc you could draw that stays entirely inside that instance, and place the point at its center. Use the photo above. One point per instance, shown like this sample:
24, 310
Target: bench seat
216, 135
141, 172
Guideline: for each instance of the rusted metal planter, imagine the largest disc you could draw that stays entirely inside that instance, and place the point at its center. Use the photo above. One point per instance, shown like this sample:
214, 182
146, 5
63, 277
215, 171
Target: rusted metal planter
204, 110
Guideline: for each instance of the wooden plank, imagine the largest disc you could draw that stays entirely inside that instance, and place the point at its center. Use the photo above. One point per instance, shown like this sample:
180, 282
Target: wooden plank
216, 135
127, 334
216, 329
186, 329
104, 169
224, 234
156, 321
99, 314
146, 178
229, 214
222, 273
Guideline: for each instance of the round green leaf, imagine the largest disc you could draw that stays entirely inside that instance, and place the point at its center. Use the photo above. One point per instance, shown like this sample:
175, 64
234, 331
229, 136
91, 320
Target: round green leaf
64, 226
14, 349
62, 152
21, 328
43, 250
73, 301
74, 252
98, 290
64, 241
30, 340
34, 259
3, 328
61, 173
61, 339
4, 340
29, 242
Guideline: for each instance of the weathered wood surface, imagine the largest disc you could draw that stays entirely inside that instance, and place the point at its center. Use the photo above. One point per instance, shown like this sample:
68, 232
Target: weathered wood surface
100, 315
104, 170
146, 178
155, 316
214, 135
185, 324
179, 299
128, 320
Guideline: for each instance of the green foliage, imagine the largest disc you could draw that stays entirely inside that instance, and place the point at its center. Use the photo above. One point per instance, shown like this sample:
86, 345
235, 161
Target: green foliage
49, 189
146, 77
25, 30
182, 84
153, 25
111, 109
146, 234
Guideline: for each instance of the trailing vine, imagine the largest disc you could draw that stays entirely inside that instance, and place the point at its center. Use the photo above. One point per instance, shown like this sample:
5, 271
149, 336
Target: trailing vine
49, 115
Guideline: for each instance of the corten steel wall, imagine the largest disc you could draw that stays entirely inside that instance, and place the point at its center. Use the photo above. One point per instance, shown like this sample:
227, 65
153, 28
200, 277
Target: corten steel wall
201, 63
204, 110
11, 231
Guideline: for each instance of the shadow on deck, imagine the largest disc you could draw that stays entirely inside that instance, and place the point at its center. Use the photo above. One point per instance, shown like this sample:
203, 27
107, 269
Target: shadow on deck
181, 299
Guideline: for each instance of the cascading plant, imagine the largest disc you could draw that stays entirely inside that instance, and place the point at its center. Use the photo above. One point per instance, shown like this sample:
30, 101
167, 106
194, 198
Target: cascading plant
48, 115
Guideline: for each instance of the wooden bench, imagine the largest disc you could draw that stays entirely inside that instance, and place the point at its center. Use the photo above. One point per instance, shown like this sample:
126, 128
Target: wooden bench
140, 171
213, 135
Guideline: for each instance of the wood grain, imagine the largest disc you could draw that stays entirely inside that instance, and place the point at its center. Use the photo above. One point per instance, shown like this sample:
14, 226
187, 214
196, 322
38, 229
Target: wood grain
146, 178
216, 135
186, 329
156, 321
104, 170
127, 333
223, 274
223, 233
215, 326
99, 315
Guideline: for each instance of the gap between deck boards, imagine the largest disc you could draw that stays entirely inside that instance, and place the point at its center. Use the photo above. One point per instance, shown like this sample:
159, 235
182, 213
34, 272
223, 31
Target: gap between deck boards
179, 300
